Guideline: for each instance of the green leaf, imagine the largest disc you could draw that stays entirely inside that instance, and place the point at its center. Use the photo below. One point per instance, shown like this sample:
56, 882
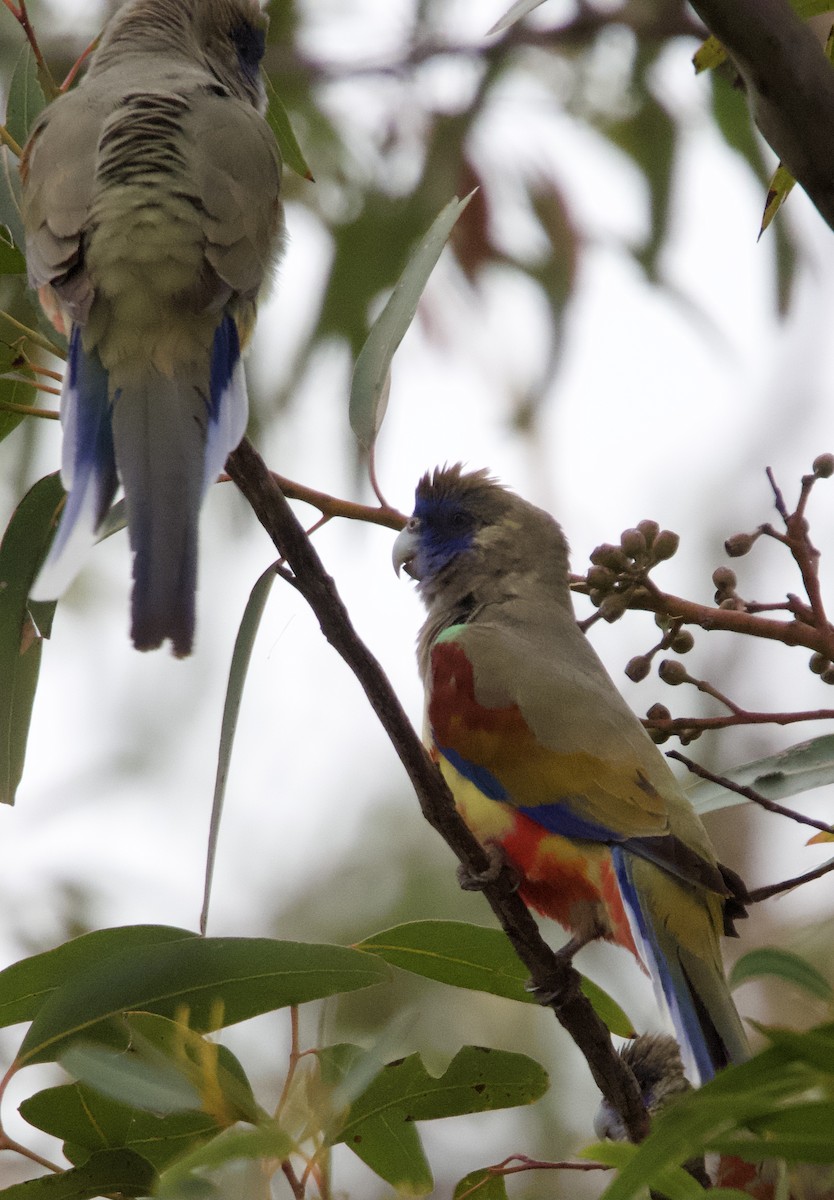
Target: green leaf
383, 1140
481, 1185
673, 1183
784, 965
167, 1068
216, 981
780, 187
379, 1127
109, 1171
369, 386
86, 1121
10, 197
474, 957
26, 985
710, 54
12, 261
514, 14
26, 99
813, 1047
798, 769
267, 1141
279, 123
245, 640
22, 551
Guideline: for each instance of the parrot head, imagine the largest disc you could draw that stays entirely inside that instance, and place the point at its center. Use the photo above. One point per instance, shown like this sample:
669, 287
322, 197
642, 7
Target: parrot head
227, 36
471, 541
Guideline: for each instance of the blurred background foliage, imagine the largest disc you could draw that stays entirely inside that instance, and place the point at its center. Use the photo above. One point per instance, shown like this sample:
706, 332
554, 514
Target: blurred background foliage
397, 107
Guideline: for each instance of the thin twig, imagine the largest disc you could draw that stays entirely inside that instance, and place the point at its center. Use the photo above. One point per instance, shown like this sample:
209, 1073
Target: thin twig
681, 724
47, 414
748, 793
775, 889
296, 1186
333, 506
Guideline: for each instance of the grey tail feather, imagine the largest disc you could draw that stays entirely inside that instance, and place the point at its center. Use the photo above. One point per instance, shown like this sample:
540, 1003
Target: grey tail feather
159, 430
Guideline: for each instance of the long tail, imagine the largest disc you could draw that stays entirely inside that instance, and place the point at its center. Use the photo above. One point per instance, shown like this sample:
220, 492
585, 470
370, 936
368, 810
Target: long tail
171, 443
170, 439
679, 935
88, 469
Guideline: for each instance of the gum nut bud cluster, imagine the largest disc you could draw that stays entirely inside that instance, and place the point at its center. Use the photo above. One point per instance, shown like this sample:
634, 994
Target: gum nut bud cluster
824, 466
616, 569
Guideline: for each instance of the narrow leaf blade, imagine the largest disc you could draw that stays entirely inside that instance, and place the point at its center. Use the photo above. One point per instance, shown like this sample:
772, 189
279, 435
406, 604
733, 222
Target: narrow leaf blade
373, 364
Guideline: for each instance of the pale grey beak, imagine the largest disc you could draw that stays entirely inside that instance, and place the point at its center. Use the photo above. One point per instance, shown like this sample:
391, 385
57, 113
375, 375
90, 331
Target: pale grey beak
405, 550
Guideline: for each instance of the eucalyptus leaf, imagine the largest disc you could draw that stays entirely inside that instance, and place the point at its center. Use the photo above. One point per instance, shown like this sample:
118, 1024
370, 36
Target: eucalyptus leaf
26, 99
215, 981
514, 14
478, 958
782, 964
22, 551
370, 383
267, 1141
26, 985
379, 1127
241, 656
109, 1171
798, 769
87, 1121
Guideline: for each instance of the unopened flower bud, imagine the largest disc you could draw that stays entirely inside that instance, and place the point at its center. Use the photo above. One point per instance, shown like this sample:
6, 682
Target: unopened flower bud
683, 641
824, 466
818, 663
689, 735
612, 607
600, 577
740, 544
672, 672
733, 604
633, 543
659, 712
637, 668
724, 578
659, 736
649, 530
827, 675
665, 545
609, 556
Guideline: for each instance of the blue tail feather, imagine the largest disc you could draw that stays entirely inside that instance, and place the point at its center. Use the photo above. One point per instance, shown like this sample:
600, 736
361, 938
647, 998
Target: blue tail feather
228, 400
88, 469
711, 1036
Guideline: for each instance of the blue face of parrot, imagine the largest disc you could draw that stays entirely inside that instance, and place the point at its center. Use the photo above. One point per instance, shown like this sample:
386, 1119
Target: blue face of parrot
438, 532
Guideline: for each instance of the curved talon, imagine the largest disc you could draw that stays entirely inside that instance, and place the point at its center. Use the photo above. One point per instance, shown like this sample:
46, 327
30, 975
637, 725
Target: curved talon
545, 996
476, 881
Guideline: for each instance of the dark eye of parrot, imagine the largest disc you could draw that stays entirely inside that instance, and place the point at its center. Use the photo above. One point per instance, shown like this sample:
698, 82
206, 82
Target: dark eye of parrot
250, 43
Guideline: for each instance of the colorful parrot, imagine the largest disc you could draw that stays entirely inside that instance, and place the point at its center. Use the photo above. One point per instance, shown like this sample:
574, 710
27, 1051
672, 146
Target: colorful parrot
153, 220
547, 762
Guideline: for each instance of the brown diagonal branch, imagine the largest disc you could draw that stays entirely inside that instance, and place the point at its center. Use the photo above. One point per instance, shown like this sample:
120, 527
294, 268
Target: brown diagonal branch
550, 974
